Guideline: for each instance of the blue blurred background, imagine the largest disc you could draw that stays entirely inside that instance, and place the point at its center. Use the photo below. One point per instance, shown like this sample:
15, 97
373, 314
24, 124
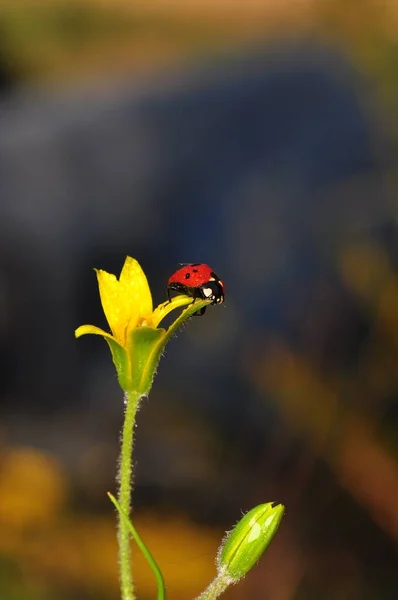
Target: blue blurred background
263, 141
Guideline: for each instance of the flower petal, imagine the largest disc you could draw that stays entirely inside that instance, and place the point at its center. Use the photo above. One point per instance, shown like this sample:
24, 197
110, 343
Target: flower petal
119, 354
133, 278
126, 301
86, 329
164, 309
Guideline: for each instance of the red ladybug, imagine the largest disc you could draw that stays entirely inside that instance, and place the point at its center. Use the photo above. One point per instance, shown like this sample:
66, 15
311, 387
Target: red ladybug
198, 281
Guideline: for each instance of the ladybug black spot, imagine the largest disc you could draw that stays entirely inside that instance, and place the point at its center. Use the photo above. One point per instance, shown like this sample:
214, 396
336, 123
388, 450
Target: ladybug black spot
187, 275
195, 270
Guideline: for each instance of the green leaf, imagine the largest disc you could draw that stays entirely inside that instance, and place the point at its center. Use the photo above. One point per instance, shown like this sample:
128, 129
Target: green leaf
145, 551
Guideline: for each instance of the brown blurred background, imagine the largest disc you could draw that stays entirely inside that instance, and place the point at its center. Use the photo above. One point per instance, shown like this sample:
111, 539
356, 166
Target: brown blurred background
263, 141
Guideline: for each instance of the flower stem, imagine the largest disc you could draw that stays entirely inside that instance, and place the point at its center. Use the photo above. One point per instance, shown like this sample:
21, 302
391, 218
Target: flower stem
145, 551
132, 400
217, 587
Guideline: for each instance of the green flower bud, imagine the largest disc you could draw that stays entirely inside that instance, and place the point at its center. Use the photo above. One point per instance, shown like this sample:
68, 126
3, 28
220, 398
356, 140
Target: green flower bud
245, 544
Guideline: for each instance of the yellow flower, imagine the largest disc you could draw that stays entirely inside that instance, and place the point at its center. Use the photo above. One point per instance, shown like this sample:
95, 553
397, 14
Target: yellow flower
127, 303
136, 341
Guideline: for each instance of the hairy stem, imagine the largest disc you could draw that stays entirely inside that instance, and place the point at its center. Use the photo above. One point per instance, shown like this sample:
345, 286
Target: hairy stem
217, 587
125, 483
145, 551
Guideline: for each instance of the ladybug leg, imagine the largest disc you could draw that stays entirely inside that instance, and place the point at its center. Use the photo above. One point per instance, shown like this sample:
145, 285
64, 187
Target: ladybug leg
201, 311
195, 294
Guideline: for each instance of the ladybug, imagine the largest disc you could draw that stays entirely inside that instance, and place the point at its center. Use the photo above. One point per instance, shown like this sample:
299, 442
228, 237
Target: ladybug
198, 281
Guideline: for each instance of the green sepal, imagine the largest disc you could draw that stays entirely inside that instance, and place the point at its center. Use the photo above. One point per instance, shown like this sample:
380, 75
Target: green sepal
247, 541
121, 361
145, 346
190, 310
136, 366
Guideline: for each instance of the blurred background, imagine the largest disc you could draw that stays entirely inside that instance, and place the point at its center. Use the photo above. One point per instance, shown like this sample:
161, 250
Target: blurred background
263, 141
